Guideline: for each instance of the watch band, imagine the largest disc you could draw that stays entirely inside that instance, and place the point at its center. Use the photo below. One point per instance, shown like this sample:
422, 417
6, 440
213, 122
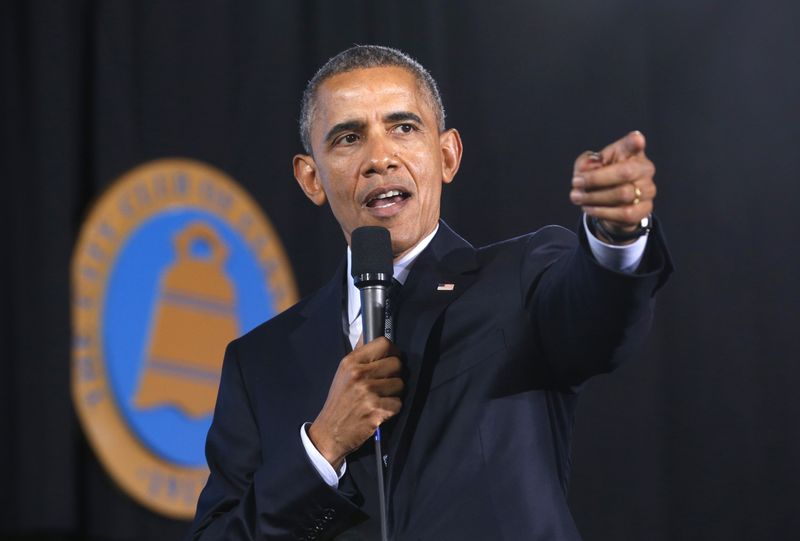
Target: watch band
645, 225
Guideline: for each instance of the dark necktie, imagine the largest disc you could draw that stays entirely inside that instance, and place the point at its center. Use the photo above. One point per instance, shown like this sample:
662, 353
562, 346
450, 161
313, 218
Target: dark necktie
391, 301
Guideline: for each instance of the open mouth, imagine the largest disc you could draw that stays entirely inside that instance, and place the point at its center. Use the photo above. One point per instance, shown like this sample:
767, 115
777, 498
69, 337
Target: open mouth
386, 199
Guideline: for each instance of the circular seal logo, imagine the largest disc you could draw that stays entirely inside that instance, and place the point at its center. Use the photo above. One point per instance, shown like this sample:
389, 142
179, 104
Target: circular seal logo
174, 261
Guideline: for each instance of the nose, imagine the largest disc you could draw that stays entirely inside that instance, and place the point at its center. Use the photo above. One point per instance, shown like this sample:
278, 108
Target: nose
381, 156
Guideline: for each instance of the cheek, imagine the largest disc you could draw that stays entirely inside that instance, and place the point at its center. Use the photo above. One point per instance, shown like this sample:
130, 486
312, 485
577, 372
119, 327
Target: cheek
340, 168
424, 165
338, 181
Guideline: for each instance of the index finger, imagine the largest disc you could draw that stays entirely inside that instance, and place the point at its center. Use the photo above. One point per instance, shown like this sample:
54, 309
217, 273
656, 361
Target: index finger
587, 161
636, 170
622, 149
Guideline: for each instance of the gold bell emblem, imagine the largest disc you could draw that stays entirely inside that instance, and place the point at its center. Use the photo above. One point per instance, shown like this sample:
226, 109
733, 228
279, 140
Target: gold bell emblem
194, 321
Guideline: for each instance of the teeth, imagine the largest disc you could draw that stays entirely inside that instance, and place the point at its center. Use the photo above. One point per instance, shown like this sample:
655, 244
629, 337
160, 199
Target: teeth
390, 193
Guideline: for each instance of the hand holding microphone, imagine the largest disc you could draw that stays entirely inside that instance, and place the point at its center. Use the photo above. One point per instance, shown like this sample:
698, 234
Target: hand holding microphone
367, 386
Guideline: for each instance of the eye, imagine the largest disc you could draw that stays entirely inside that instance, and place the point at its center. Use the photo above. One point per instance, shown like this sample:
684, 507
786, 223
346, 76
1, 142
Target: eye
405, 128
347, 139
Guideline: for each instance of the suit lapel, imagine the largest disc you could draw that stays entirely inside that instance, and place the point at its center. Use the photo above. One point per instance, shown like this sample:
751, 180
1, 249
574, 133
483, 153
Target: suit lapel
319, 342
448, 261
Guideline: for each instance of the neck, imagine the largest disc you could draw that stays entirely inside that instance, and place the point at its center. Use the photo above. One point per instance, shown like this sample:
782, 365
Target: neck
398, 257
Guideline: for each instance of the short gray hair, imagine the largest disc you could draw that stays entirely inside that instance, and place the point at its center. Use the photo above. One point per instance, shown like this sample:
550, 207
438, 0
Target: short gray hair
362, 57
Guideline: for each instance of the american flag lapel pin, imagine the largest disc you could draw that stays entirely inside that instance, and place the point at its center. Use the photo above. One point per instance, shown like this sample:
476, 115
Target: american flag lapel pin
446, 286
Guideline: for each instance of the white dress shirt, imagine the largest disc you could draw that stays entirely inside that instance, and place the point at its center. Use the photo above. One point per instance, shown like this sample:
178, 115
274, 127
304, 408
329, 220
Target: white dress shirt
620, 258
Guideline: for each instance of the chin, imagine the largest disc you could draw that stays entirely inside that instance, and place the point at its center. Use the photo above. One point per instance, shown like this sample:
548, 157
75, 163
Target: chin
400, 245
398, 248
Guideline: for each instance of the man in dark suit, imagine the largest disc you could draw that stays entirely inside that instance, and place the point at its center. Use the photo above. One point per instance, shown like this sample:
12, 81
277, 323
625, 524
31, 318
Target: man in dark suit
476, 395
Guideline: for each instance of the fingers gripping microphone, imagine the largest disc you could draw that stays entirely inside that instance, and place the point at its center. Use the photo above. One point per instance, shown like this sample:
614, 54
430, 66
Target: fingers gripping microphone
372, 271
372, 275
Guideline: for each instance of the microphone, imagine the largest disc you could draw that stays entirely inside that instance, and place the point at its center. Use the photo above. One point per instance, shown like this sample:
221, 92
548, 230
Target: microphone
372, 269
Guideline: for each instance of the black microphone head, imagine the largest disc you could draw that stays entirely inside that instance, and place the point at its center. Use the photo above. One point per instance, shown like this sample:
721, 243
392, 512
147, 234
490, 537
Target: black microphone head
372, 254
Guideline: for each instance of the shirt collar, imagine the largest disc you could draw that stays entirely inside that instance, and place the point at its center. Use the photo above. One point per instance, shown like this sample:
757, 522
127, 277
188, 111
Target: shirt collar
401, 269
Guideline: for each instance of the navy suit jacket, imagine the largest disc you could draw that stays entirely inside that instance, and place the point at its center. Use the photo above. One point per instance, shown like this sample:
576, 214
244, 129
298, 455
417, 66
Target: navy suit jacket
481, 447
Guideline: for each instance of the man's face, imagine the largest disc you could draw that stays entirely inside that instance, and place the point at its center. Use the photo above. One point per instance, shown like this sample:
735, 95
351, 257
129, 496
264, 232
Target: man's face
378, 156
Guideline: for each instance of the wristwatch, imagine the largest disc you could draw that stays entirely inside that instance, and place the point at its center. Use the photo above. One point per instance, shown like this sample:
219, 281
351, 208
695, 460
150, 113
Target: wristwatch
645, 225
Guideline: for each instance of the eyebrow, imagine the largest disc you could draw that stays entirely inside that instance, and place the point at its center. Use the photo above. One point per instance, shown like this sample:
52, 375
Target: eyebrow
358, 125
401, 116
348, 125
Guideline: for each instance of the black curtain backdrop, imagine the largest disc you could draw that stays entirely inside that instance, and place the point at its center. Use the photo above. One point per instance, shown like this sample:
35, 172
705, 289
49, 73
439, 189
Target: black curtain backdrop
696, 440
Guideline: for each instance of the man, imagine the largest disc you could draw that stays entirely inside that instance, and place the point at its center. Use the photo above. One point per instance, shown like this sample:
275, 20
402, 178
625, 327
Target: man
476, 395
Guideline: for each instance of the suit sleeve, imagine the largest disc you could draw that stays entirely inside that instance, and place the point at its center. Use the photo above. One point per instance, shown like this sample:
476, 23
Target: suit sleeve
256, 493
588, 318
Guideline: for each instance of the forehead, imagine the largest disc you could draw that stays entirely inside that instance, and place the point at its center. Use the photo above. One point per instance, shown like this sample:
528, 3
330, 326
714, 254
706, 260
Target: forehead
363, 93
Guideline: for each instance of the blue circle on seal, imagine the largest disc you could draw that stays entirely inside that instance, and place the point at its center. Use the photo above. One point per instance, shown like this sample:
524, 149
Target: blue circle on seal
131, 301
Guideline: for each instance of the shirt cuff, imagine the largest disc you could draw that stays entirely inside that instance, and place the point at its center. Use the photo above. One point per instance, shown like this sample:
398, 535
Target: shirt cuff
323, 467
619, 258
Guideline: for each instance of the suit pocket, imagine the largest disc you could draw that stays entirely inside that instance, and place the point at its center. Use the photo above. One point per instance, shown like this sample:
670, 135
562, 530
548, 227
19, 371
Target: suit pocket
465, 356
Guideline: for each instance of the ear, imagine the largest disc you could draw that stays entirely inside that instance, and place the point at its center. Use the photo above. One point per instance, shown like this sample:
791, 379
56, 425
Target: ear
305, 172
450, 145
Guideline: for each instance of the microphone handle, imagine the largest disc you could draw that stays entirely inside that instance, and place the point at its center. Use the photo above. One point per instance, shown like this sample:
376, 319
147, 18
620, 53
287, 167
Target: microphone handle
373, 323
373, 311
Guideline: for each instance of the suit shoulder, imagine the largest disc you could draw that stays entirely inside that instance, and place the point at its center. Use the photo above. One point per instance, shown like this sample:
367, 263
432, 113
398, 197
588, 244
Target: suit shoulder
550, 235
277, 327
